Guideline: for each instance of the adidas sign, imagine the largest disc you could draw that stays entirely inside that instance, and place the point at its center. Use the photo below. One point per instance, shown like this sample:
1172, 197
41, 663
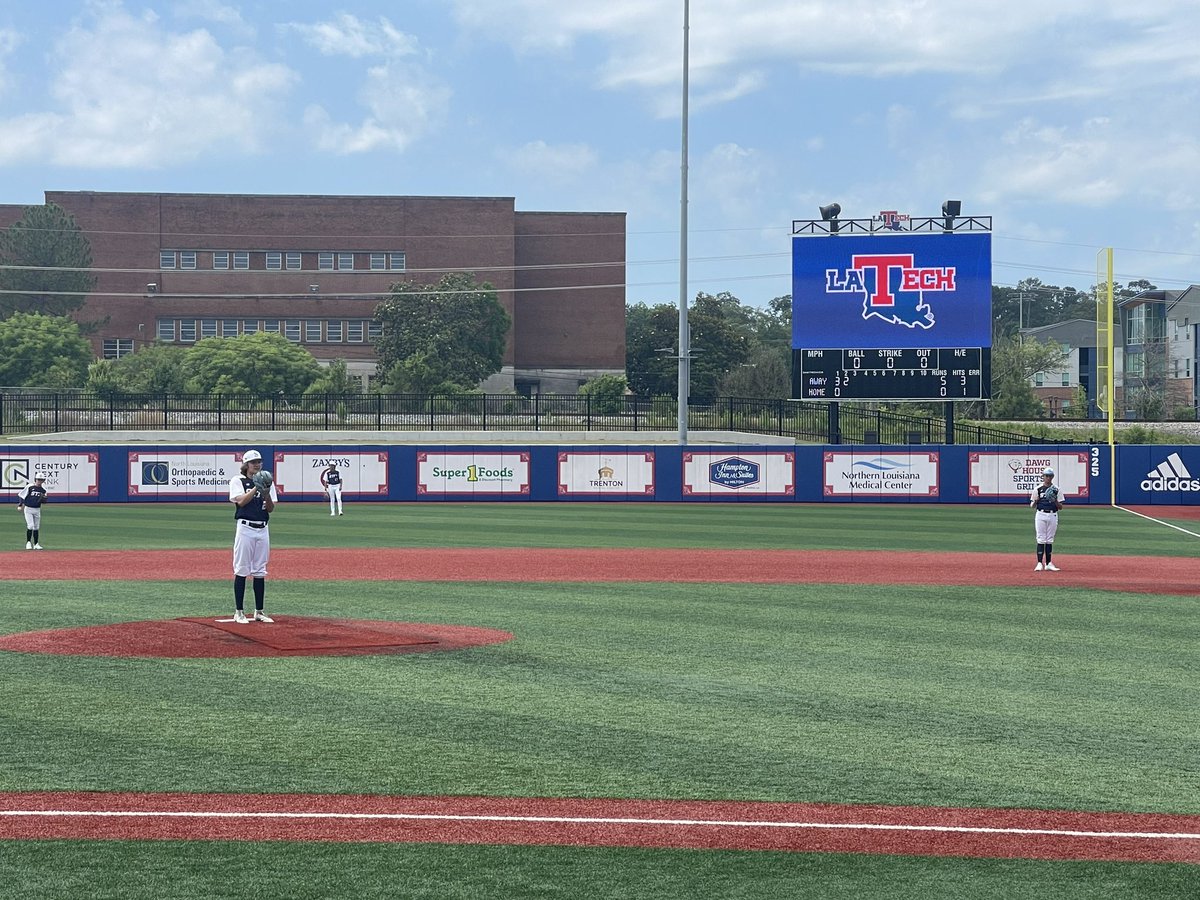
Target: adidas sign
1170, 475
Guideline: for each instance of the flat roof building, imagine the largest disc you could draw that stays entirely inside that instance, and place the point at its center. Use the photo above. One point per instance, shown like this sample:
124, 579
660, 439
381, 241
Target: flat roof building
182, 267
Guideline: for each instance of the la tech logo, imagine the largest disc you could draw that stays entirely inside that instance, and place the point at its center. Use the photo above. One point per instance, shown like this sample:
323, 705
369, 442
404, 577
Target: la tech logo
892, 286
1170, 475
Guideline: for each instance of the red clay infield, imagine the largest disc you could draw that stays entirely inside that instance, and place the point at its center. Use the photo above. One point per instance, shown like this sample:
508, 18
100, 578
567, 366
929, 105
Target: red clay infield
728, 825
1169, 575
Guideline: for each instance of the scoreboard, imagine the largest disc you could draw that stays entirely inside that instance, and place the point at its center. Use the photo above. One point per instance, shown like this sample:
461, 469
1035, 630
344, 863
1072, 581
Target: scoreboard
930, 373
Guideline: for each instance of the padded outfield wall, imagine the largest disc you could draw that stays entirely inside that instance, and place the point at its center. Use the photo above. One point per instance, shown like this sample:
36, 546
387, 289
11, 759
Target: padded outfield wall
1146, 474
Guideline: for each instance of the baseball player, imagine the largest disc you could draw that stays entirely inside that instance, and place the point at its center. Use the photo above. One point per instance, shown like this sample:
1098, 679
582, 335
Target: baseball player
29, 501
254, 498
331, 479
1046, 498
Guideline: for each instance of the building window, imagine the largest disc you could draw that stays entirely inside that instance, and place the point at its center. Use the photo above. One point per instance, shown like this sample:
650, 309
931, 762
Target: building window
1039, 379
374, 331
325, 261
115, 348
166, 259
166, 329
1066, 379
220, 259
378, 262
229, 328
249, 326
312, 331
274, 260
187, 331
333, 331
397, 262
354, 331
241, 259
1137, 325
291, 330
187, 259
271, 326
346, 262
294, 260
208, 328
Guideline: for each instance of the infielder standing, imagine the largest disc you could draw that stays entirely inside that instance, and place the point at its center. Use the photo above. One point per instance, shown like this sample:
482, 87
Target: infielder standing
1046, 498
29, 501
331, 478
251, 537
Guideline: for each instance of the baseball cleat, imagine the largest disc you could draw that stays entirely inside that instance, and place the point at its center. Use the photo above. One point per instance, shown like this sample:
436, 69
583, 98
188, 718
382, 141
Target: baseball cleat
260, 616
240, 617
1038, 567
1051, 567
38, 547
29, 545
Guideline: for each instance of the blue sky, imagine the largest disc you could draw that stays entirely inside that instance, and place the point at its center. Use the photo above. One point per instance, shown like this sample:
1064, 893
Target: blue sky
1073, 123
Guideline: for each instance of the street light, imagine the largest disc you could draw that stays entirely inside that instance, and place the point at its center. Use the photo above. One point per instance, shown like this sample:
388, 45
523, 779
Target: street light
830, 214
950, 211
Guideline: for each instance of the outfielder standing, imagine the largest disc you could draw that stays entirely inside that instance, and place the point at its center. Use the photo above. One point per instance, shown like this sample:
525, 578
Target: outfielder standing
331, 478
1046, 498
29, 501
253, 494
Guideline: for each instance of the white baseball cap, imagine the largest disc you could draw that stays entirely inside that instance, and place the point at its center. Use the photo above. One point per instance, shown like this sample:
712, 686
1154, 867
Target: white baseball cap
251, 456
1048, 471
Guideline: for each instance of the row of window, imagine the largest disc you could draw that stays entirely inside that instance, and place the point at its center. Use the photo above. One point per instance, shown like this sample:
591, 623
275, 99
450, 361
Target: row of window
280, 260
298, 331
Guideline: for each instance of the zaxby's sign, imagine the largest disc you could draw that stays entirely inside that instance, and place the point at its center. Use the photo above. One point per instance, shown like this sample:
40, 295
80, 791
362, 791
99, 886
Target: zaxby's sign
903, 289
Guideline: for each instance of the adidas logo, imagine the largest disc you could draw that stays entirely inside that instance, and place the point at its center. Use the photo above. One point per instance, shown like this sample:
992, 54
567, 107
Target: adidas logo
1170, 475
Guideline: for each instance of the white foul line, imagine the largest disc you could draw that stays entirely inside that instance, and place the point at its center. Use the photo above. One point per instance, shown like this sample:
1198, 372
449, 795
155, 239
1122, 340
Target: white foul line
595, 820
1159, 521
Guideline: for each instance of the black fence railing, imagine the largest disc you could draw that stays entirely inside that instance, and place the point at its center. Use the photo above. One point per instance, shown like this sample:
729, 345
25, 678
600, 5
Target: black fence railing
31, 412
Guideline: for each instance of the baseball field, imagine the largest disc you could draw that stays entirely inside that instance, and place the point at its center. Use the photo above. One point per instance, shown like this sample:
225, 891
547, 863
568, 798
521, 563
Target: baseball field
602, 700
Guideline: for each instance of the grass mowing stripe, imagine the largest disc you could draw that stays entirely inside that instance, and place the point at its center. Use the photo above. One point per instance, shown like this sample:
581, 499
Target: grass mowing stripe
132, 870
960, 697
985, 528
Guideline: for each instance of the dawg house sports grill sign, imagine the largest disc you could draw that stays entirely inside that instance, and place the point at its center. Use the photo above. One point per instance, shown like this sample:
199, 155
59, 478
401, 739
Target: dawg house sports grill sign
897, 315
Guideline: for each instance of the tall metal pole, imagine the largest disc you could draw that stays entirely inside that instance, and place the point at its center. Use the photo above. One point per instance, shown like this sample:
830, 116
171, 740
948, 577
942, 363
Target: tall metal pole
685, 350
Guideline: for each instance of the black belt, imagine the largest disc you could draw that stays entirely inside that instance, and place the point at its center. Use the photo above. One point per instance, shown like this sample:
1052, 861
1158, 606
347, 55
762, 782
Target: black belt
253, 524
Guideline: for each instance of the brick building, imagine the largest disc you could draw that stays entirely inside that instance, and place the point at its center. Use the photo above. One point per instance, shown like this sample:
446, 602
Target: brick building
182, 267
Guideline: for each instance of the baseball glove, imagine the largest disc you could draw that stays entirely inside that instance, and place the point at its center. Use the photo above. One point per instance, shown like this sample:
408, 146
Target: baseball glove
262, 480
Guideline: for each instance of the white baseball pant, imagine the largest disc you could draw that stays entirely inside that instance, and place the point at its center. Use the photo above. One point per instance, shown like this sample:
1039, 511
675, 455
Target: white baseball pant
1046, 526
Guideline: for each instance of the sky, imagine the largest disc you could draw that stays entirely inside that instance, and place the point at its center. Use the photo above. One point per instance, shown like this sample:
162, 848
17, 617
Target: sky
1074, 124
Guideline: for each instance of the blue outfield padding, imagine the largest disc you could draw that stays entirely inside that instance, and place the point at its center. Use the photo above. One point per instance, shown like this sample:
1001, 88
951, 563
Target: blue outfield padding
1146, 475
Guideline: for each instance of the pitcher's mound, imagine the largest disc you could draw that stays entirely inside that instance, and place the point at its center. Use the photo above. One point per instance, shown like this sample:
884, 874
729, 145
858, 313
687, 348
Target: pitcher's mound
206, 637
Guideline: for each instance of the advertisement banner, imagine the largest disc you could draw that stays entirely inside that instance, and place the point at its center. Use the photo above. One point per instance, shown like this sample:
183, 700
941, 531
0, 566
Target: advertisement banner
472, 473
1017, 472
764, 474
299, 472
895, 475
605, 473
182, 473
66, 474
901, 289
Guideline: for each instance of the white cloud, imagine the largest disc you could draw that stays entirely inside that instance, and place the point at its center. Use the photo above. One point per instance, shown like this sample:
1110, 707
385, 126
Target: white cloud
9, 40
403, 102
131, 93
210, 11
552, 162
347, 35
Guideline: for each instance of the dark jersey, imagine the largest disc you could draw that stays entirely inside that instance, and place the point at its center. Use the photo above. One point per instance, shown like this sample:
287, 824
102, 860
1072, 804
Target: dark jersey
1048, 496
33, 496
255, 510
333, 478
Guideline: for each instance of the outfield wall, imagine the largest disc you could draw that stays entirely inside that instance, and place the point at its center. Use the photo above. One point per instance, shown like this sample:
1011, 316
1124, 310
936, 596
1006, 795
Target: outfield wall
1147, 474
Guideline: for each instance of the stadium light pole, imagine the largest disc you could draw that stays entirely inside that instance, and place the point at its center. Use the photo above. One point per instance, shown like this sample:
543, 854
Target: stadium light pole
684, 336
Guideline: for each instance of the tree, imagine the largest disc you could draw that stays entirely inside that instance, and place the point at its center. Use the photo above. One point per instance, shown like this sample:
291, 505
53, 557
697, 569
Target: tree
155, 369
607, 393
48, 238
261, 363
42, 351
444, 337
336, 379
649, 330
766, 375
1014, 363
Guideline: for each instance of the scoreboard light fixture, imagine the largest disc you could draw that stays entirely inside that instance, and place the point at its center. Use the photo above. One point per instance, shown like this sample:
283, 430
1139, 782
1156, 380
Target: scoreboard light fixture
830, 214
950, 211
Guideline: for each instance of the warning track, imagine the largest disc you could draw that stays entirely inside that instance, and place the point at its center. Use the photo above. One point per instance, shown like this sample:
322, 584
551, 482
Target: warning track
722, 825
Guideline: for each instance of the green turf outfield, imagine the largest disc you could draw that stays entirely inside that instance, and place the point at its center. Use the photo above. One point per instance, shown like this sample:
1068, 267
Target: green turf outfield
1043, 697
985, 528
